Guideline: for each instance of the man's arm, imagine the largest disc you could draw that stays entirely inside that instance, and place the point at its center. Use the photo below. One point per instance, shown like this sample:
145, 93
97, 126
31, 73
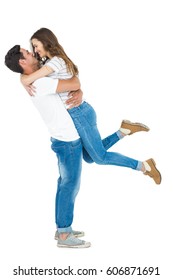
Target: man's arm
72, 84
45, 86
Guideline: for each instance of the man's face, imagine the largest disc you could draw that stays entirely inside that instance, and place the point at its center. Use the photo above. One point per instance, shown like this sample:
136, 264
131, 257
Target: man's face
30, 60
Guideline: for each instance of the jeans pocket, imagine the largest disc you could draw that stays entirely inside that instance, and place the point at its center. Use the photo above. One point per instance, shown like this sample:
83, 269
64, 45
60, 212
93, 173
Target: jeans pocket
60, 152
76, 143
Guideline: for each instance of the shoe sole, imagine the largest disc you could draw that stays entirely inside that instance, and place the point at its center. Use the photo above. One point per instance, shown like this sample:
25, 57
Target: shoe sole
152, 160
157, 171
87, 245
136, 123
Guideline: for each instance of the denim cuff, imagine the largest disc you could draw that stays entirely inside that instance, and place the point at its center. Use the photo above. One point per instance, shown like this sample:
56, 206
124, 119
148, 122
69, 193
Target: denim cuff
66, 229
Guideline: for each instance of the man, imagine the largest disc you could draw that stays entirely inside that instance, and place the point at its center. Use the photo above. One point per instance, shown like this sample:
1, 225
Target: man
64, 137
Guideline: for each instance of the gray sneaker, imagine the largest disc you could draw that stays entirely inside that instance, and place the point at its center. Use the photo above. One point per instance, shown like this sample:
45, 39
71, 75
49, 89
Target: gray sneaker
72, 242
76, 234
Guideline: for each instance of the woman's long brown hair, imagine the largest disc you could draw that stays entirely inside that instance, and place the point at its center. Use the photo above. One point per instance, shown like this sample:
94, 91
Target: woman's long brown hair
51, 45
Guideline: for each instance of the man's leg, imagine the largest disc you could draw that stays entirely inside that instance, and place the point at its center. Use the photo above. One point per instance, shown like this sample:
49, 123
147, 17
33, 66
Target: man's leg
69, 156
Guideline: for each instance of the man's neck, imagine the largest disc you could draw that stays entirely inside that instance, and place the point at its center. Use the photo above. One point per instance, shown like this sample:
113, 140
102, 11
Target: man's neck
31, 69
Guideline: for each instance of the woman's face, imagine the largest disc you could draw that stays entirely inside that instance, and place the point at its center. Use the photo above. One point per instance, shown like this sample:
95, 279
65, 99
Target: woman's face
38, 48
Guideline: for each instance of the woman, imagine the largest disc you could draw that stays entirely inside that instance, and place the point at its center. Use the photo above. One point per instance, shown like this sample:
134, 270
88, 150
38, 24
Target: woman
57, 64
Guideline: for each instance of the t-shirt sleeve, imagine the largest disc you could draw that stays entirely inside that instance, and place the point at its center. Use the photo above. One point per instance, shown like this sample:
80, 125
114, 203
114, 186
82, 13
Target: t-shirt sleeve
45, 86
55, 63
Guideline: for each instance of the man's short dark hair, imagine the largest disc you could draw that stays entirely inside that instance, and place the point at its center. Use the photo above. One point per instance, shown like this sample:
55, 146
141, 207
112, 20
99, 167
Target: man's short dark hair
12, 59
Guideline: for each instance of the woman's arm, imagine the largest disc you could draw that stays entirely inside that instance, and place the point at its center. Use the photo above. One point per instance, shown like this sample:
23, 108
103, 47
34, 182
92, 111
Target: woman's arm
42, 72
68, 85
72, 84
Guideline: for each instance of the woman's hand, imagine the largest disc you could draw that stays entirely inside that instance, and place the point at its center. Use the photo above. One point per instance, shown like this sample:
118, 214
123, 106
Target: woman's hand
30, 89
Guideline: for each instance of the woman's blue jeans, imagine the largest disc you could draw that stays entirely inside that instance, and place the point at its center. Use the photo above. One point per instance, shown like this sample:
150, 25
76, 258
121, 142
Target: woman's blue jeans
70, 154
84, 118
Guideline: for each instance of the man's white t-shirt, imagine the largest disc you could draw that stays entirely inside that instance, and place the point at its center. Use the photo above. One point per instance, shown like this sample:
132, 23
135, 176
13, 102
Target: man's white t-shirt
58, 121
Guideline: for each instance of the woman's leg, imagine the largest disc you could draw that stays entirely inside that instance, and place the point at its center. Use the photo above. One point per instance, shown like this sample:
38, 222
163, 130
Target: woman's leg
127, 128
107, 142
84, 118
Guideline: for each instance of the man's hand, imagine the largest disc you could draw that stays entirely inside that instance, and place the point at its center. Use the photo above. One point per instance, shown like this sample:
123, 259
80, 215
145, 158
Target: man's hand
75, 98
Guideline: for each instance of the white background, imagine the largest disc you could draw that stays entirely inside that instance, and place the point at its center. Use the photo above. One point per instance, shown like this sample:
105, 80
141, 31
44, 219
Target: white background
124, 51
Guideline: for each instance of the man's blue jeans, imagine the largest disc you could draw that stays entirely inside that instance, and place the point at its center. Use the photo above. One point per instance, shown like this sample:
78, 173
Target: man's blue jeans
69, 155
84, 118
